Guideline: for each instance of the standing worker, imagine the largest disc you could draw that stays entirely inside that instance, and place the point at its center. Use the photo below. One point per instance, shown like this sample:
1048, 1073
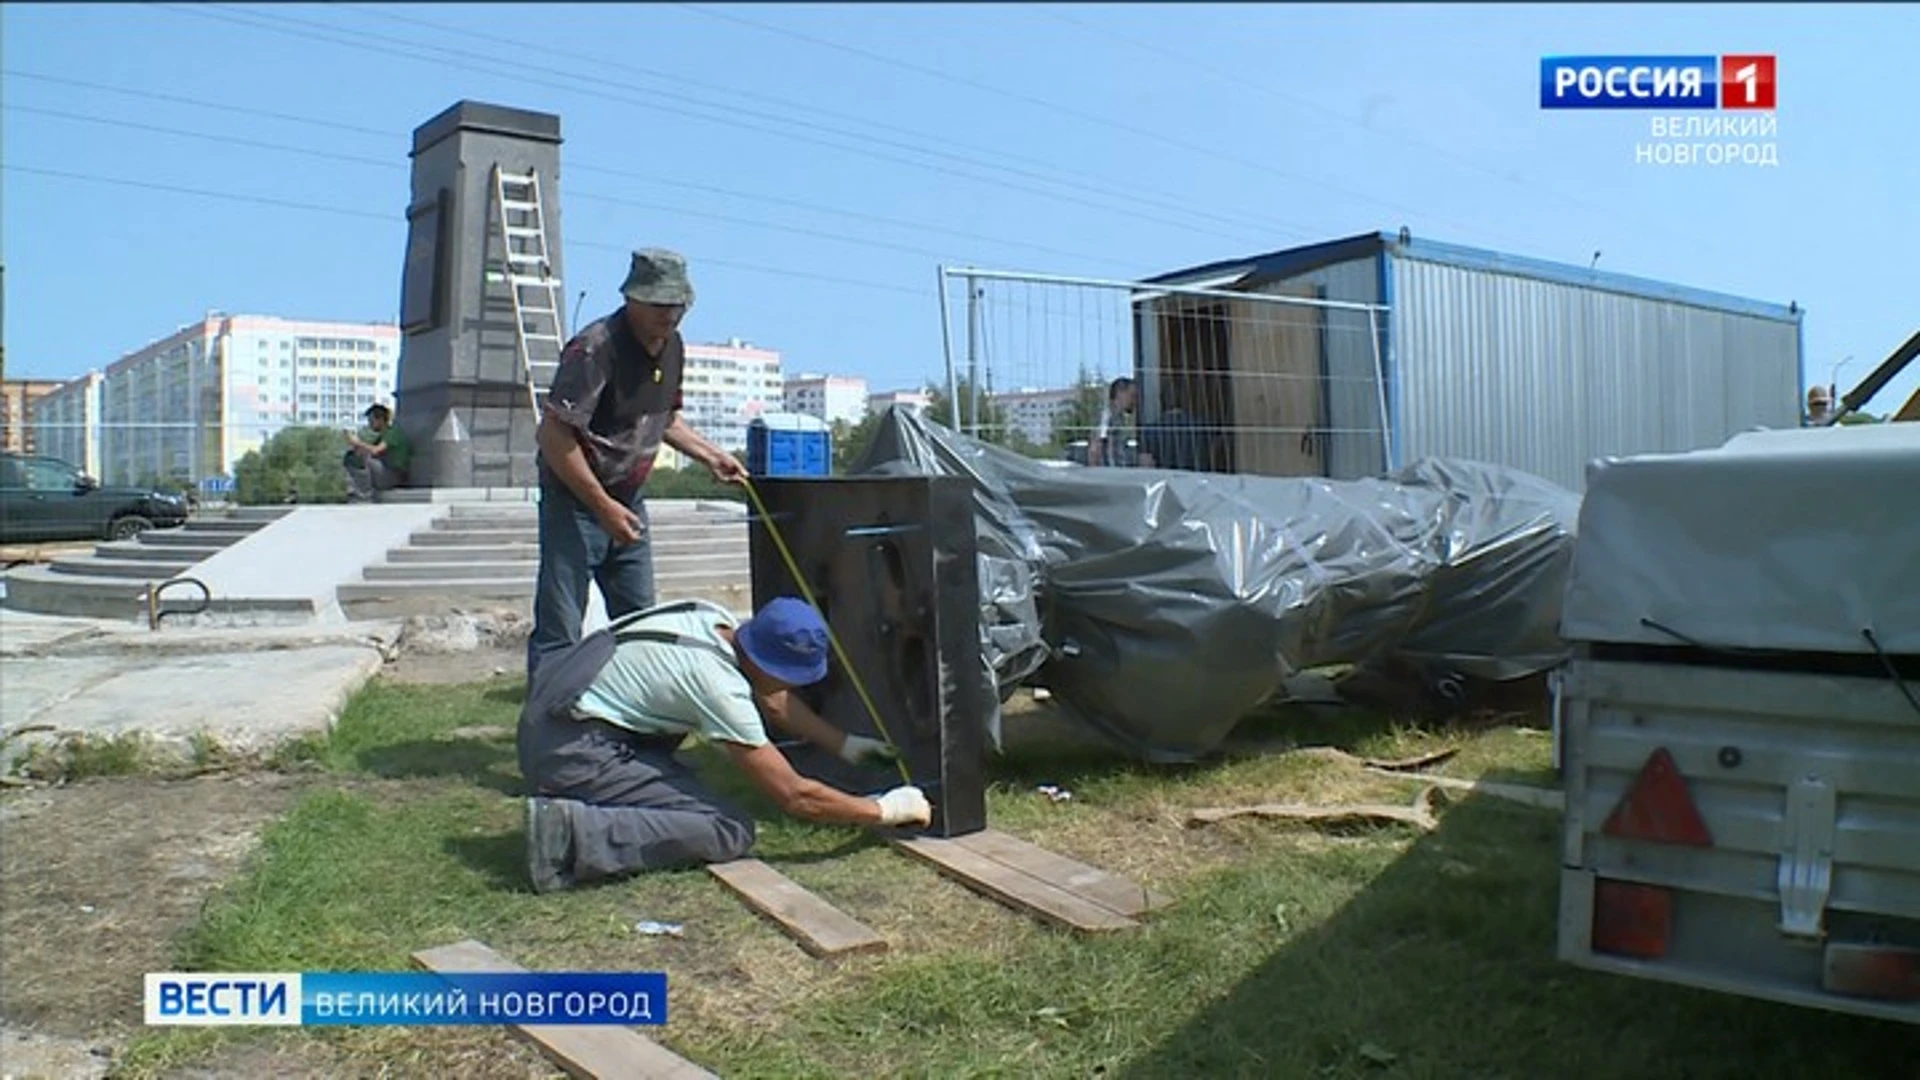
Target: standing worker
603, 718
1109, 443
615, 397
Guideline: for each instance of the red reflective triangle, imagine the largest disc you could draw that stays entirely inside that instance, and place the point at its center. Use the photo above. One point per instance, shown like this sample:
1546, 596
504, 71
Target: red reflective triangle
1658, 808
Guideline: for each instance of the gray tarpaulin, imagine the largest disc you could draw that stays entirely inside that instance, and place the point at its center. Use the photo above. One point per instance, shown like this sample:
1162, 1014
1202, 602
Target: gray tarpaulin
1161, 606
1793, 540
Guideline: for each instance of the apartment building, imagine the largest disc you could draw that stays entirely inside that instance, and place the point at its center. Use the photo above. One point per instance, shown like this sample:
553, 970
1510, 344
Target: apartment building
917, 400
1034, 413
191, 404
728, 385
17, 398
65, 423
833, 398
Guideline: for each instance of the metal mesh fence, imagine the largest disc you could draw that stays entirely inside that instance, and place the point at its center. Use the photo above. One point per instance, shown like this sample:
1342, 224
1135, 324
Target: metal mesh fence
1274, 382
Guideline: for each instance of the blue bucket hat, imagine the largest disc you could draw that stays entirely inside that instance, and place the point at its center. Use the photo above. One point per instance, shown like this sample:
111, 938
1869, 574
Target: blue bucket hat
787, 640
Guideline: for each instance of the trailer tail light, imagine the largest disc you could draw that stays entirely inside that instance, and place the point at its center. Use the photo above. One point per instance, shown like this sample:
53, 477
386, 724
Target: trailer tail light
1631, 919
1888, 972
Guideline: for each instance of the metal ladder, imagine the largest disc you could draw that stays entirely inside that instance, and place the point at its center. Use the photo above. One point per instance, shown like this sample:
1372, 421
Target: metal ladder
526, 269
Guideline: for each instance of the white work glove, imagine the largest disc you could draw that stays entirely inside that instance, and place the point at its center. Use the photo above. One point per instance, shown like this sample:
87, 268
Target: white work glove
859, 749
904, 806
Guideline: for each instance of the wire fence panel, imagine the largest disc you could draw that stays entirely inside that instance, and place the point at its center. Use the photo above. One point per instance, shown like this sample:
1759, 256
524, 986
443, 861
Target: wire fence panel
1279, 383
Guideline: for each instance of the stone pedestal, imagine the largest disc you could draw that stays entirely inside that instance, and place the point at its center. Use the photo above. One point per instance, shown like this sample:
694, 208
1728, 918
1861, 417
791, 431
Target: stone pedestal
462, 394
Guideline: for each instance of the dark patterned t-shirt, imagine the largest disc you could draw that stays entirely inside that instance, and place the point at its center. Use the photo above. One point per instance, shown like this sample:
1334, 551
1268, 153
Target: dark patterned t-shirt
618, 399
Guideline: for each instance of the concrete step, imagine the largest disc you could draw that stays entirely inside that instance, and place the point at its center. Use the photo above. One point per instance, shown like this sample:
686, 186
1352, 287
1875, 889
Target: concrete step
397, 599
241, 526
260, 515
134, 550
691, 532
446, 554
139, 569
673, 566
42, 590
182, 537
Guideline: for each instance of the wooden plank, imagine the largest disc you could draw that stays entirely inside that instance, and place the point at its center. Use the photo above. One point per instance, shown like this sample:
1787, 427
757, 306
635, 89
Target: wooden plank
1111, 891
819, 927
1012, 887
585, 1053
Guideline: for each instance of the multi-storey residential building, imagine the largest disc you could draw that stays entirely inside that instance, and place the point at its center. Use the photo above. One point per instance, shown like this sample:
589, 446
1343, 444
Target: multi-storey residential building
193, 403
917, 400
833, 398
65, 423
727, 386
1034, 413
17, 397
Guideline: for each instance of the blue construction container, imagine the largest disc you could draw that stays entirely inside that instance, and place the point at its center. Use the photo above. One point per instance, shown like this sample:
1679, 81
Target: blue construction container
789, 444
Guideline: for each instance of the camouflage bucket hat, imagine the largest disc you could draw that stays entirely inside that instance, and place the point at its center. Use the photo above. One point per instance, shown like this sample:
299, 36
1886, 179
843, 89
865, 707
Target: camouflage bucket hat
658, 276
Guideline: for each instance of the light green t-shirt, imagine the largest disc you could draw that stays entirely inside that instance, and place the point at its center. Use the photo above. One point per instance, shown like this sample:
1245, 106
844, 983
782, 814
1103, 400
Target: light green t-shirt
663, 688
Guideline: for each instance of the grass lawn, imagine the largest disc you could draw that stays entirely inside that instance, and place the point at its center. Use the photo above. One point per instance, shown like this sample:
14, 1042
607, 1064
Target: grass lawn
1288, 951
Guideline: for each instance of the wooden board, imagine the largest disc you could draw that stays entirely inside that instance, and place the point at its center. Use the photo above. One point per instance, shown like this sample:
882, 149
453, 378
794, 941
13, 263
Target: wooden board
1013, 887
1110, 891
585, 1053
819, 927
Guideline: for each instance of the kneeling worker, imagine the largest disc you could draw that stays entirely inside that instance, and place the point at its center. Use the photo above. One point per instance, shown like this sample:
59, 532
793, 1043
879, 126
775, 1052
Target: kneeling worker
603, 719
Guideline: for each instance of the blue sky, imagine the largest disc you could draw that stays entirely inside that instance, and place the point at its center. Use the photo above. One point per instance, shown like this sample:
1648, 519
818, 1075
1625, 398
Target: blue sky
1285, 124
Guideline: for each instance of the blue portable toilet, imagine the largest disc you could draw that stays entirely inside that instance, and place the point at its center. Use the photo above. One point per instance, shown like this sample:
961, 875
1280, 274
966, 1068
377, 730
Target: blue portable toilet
789, 444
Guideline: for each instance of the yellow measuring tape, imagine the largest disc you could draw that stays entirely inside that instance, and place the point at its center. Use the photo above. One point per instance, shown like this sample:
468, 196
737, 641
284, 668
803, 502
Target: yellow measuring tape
846, 664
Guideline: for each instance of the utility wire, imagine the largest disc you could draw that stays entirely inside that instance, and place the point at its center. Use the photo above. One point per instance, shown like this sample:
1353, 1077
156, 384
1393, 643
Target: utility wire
388, 219
575, 166
586, 196
1240, 80
726, 115
1070, 111
1084, 181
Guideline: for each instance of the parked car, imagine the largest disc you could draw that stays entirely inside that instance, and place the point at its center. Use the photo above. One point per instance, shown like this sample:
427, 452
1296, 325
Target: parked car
43, 498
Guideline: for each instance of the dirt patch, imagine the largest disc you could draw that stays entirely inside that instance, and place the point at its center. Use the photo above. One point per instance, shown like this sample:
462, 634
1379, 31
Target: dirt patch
98, 879
442, 668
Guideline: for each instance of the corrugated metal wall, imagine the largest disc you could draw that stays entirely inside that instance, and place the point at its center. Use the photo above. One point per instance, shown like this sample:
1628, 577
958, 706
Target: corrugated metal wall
1354, 445
1546, 376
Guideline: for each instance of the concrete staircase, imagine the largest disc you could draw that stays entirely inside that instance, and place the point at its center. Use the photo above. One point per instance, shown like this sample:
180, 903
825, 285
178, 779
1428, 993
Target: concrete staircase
111, 582
487, 554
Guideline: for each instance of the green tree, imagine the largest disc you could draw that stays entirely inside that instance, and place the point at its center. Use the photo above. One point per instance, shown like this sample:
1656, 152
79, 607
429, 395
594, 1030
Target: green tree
1077, 420
299, 461
850, 441
993, 425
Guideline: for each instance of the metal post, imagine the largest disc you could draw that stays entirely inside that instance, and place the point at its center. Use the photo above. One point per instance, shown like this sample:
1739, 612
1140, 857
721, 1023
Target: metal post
973, 357
946, 344
1380, 392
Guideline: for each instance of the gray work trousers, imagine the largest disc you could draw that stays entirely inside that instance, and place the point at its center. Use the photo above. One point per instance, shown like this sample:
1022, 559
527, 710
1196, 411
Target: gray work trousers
633, 806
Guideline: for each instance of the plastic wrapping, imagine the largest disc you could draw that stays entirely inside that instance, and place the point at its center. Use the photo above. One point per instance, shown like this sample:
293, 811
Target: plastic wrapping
1161, 606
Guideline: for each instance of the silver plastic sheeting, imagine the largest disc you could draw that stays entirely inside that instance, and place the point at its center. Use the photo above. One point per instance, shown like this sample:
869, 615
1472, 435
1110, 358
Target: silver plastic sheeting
1161, 606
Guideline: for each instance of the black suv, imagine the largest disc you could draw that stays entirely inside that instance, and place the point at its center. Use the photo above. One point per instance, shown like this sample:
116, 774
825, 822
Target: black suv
43, 498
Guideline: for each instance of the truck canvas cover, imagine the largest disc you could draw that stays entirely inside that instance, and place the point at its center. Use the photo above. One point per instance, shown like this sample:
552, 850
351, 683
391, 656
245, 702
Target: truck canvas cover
1779, 540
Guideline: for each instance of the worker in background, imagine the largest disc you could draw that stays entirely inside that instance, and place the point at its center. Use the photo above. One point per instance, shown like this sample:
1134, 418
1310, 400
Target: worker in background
1109, 443
603, 719
615, 398
380, 461
1819, 407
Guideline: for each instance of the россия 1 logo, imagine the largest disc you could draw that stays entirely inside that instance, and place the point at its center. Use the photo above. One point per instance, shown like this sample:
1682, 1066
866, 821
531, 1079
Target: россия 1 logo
1745, 83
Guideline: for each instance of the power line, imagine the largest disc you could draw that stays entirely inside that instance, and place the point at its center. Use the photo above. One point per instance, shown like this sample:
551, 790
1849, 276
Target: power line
388, 219
1240, 80
588, 196
573, 165
729, 116
1082, 180
1067, 110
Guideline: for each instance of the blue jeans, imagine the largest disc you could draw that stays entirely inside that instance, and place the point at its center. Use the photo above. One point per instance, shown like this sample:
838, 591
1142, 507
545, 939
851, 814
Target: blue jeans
574, 550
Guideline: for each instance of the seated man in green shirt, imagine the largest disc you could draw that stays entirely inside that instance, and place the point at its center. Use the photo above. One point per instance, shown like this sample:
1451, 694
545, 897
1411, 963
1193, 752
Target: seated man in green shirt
603, 718
377, 463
